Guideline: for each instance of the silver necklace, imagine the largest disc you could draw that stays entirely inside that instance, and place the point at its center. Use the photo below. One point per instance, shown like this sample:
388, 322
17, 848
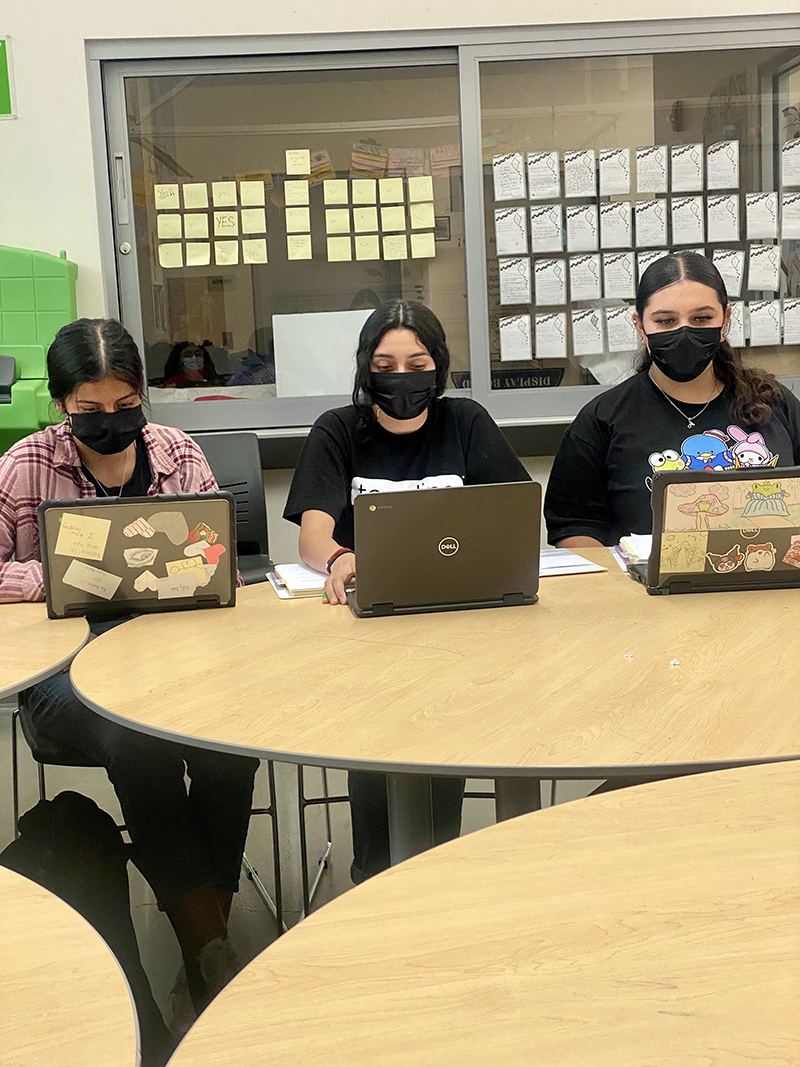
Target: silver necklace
100, 485
689, 421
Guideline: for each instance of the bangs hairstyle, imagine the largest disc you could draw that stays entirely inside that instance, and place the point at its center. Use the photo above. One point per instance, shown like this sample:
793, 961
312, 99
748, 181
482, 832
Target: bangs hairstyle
91, 350
752, 392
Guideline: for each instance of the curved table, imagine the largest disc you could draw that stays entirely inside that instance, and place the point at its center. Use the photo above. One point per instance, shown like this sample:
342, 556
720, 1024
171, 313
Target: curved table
33, 647
658, 925
64, 1001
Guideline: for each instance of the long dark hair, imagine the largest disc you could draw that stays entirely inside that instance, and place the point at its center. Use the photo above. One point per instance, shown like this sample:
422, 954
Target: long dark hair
397, 315
752, 391
91, 350
174, 364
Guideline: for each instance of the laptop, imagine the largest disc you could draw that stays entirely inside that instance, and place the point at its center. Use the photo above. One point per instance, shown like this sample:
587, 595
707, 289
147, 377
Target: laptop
718, 531
107, 557
474, 546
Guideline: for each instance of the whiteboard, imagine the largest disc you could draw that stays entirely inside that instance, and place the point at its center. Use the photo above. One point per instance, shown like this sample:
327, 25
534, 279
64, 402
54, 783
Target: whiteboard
315, 353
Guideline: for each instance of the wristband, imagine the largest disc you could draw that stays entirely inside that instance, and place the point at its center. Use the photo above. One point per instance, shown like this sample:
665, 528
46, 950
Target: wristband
335, 556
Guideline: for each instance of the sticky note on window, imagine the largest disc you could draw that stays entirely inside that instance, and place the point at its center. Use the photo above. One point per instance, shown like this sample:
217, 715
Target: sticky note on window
339, 250
226, 253
254, 220
169, 227
251, 194
423, 246
82, 536
166, 197
365, 219
422, 217
198, 254
298, 247
195, 226
368, 247
190, 565
393, 218
170, 255
295, 193
254, 250
395, 247
91, 579
195, 195
298, 220
226, 223
335, 190
298, 161
224, 194
420, 188
391, 190
364, 191
337, 220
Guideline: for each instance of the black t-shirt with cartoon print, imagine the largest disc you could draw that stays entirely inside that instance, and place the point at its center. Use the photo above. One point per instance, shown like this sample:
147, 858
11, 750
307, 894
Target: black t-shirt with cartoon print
602, 476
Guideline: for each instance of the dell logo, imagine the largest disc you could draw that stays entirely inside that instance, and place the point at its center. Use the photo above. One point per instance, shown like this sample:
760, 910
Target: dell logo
448, 546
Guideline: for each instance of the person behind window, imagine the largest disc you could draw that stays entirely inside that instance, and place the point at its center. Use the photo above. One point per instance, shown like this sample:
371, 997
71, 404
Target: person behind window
187, 845
399, 433
365, 300
189, 366
256, 364
691, 405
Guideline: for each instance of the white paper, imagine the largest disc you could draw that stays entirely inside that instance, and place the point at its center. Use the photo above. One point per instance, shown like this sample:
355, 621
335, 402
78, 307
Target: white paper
619, 276
511, 230
300, 578
580, 178
544, 180
551, 335
644, 259
730, 263
315, 352
687, 168
764, 268
176, 585
584, 278
582, 227
790, 217
651, 223
791, 320
515, 280
615, 171
91, 579
555, 561
550, 281
515, 338
762, 216
615, 225
547, 228
279, 586
587, 331
765, 322
687, 220
790, 163
723, 217
651, 169
508, 173
734, 335
620, 331
722, 165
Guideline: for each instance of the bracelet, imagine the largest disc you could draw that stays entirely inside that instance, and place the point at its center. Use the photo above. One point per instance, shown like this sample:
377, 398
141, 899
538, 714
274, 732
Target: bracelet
335, 556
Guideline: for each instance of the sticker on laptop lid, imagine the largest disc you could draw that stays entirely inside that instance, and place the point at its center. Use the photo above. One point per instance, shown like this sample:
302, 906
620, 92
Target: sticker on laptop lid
792, 556
213, 552
760, 557
193, 565
82, 536
176, 585
145, 580
171, 523
725, 562
202, 532
140, 557
91, 579
683, 552
139, 528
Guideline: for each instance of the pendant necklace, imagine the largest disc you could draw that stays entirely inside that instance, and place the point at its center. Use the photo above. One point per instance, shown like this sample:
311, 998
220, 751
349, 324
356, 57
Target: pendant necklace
689, 421
103, 489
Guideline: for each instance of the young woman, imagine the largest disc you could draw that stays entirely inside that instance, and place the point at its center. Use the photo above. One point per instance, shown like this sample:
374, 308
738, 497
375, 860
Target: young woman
692, 405
188, 845
399, 433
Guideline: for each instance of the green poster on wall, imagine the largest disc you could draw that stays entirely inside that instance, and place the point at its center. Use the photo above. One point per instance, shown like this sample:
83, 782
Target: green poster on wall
6, 108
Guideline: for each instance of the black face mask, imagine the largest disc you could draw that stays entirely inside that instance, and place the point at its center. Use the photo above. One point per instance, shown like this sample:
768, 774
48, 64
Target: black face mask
404, 395
108, 432
683, 354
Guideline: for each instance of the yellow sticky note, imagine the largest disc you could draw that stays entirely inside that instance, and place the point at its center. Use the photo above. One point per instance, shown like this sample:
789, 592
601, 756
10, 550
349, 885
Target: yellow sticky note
395, 247
393, 218
195, 194
339, 250
298, 161
251, 194
254, 220
295, 193
187, 565
298, 247
170, 255
226, 223
298, 220
169, 227
365, 219
423, 246
364, 191
422, 217
224, 194
166, 197
195, 226
226, 253
82, 536
335, 190
198, 254
420, 188
391, 190
368, 247
337, 220
254, 250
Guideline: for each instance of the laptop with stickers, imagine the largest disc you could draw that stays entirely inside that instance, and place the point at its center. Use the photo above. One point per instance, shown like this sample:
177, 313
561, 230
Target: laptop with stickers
715, 531
475, 546
106, 557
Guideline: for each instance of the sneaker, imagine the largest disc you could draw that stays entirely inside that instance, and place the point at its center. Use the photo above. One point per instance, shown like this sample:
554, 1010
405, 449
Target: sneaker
218, 963
183, 1014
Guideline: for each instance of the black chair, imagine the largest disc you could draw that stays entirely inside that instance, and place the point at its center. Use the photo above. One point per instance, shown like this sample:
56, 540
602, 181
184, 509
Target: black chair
235, 461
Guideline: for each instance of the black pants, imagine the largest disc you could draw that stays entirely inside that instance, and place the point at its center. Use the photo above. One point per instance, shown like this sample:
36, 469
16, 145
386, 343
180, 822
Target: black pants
182, 839
369, 812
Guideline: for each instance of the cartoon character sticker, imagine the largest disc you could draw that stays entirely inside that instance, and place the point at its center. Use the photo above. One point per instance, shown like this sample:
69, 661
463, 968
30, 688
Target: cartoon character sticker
706, 505
750, 449
766, 498
706, 452
792, 556
725, 562
714, 450
760, 557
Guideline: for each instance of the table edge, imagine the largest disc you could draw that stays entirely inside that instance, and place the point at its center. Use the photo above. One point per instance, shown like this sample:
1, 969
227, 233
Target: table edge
41, 676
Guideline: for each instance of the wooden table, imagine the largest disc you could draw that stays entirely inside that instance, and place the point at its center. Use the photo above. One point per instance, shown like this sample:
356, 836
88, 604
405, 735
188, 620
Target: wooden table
64, 1001
657, 926
33, 647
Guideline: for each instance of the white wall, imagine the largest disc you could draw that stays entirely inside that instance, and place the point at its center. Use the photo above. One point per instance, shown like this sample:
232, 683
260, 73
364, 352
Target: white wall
47, 198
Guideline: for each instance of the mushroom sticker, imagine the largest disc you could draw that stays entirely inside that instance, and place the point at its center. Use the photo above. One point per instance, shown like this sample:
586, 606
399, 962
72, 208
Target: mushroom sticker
706, 506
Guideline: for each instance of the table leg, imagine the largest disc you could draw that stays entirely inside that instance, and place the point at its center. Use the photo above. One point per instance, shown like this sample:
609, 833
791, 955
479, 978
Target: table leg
410, 815
516, 796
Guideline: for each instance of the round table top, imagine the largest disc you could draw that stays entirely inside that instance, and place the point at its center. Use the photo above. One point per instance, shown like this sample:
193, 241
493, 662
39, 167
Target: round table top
64, 1001
596, 676
657, 925
33, 647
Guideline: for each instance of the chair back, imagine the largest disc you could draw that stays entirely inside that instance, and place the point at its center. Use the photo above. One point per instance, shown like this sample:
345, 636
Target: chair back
235, 462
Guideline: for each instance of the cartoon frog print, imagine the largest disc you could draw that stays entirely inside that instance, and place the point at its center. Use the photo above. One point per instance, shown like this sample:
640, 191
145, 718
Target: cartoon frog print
760, 557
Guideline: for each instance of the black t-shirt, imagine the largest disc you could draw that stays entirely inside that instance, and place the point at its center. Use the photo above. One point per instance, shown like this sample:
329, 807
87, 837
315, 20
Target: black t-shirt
139, 481
459, 444
600, 485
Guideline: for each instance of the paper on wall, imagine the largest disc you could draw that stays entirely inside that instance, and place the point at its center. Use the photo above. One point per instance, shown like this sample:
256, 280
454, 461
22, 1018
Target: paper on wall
315, 352
395, 247
791, 320
195, 195
393, 219
251, 193
645, 258
765, 322
730, 263
367, 160
223, 194
83, 536
580, 178
615, 171
764, 268
298, 161
515, 338
735, 332
723, 217
619, 276
551, 335
170, 255
91, 579
515, 280
422, 216
419, 188
651, 169
195, 226
365, 191
298, 220
298, 246
295, 193
226, 223
226, 253
651, 223
722, 165
169, 227
391, 190
620, 331
790, 163
511, 232
198, 254
587, 331
762, 216
254, 250
166, 197
582, 227
335, 191
337, 220
254, 220
687, 220
339, 250
508, 176
687, 168
615, 225
547, 234
544, 179
423, 246
550, 281
584, 277
790, 217
368, 248
365, 219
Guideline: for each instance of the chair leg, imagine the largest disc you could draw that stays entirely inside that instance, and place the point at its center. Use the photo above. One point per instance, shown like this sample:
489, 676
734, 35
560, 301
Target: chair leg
14, 773
276, 850
42, 786
301, 811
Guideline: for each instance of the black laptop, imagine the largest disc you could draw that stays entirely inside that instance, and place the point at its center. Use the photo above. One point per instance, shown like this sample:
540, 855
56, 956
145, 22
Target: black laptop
444, 549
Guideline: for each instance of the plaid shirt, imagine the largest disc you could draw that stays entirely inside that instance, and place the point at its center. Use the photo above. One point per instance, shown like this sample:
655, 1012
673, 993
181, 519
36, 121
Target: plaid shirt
46, 466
